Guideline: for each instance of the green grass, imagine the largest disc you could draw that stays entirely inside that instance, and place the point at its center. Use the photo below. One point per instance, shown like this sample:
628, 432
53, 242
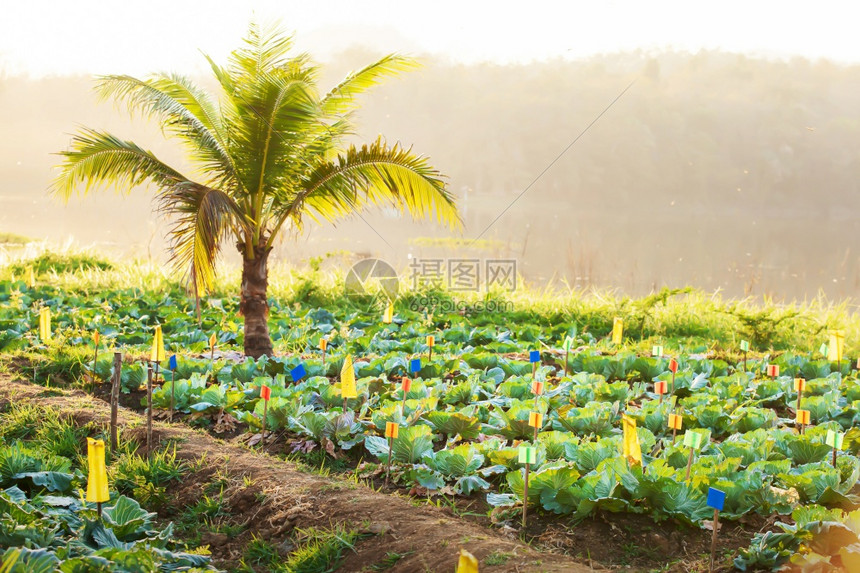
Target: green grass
497, 558
57, 263
321, 550
679, 318
258, 552
390, 560
147, 479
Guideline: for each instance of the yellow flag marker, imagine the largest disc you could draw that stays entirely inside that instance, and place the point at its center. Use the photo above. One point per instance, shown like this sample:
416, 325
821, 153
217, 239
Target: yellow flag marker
323, 344
630, 446
836, 345
97, 484
45, 324
535, 419
617, 330
388, 315
31, 277
157, 353
347, 379
467, 563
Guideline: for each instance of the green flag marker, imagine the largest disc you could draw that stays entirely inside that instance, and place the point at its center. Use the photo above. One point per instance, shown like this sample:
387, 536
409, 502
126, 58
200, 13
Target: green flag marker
657, 351
568, 342
694, 440
745, 345
834, 439
528, 454
823, 349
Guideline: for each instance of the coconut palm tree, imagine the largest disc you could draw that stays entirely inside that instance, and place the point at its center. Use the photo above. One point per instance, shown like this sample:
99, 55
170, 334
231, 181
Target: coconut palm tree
268, 152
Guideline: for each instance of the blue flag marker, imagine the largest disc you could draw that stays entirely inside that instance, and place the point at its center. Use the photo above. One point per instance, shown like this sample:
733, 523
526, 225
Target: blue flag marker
716, 498
415, 365
298, 372
171, 364
534, 356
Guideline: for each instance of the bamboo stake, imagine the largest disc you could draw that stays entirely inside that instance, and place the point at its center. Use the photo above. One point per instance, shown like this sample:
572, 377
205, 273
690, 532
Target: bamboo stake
265, 412
95, 359
689, 464
714, 538
526, 495
114, 400
149, 412
566, 355
172, 393
390, 455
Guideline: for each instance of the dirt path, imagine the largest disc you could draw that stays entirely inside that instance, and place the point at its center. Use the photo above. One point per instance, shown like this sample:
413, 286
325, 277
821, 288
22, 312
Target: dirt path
273, 498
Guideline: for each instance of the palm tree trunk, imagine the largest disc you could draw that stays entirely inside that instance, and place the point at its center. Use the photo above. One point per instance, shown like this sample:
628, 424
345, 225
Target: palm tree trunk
254, 304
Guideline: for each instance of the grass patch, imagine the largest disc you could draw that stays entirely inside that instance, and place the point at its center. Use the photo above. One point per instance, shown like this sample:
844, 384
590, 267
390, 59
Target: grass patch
497, 558
146, 479
258, 552
50, 262
390, 560
321, 550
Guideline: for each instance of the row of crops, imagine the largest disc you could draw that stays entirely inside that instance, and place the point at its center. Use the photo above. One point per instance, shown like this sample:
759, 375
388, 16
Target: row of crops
46, 522
463, 415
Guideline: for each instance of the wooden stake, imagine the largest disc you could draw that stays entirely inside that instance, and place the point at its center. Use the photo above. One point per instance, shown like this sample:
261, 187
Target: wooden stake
674, 432
149, 412
95, 360
689, 464
834, 457
714, 538
265, 412
673, 384
566, 354
172, 393
99, 508
323, 360
114, 400
390, 455
526, 495
745, 360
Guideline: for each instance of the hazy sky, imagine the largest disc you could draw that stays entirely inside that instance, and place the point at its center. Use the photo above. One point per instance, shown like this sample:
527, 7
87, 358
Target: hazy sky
91, 36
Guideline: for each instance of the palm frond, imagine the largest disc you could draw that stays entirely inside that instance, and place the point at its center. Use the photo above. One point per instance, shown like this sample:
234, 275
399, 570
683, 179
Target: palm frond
274, 120
96, 158
183, 109
374, 175
203, 217
341, 98
267, 47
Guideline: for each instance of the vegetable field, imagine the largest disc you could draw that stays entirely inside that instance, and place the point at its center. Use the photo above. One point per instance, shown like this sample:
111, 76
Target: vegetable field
463, 408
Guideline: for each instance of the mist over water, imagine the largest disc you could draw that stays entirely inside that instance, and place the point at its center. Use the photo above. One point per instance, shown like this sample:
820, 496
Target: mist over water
715, 170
